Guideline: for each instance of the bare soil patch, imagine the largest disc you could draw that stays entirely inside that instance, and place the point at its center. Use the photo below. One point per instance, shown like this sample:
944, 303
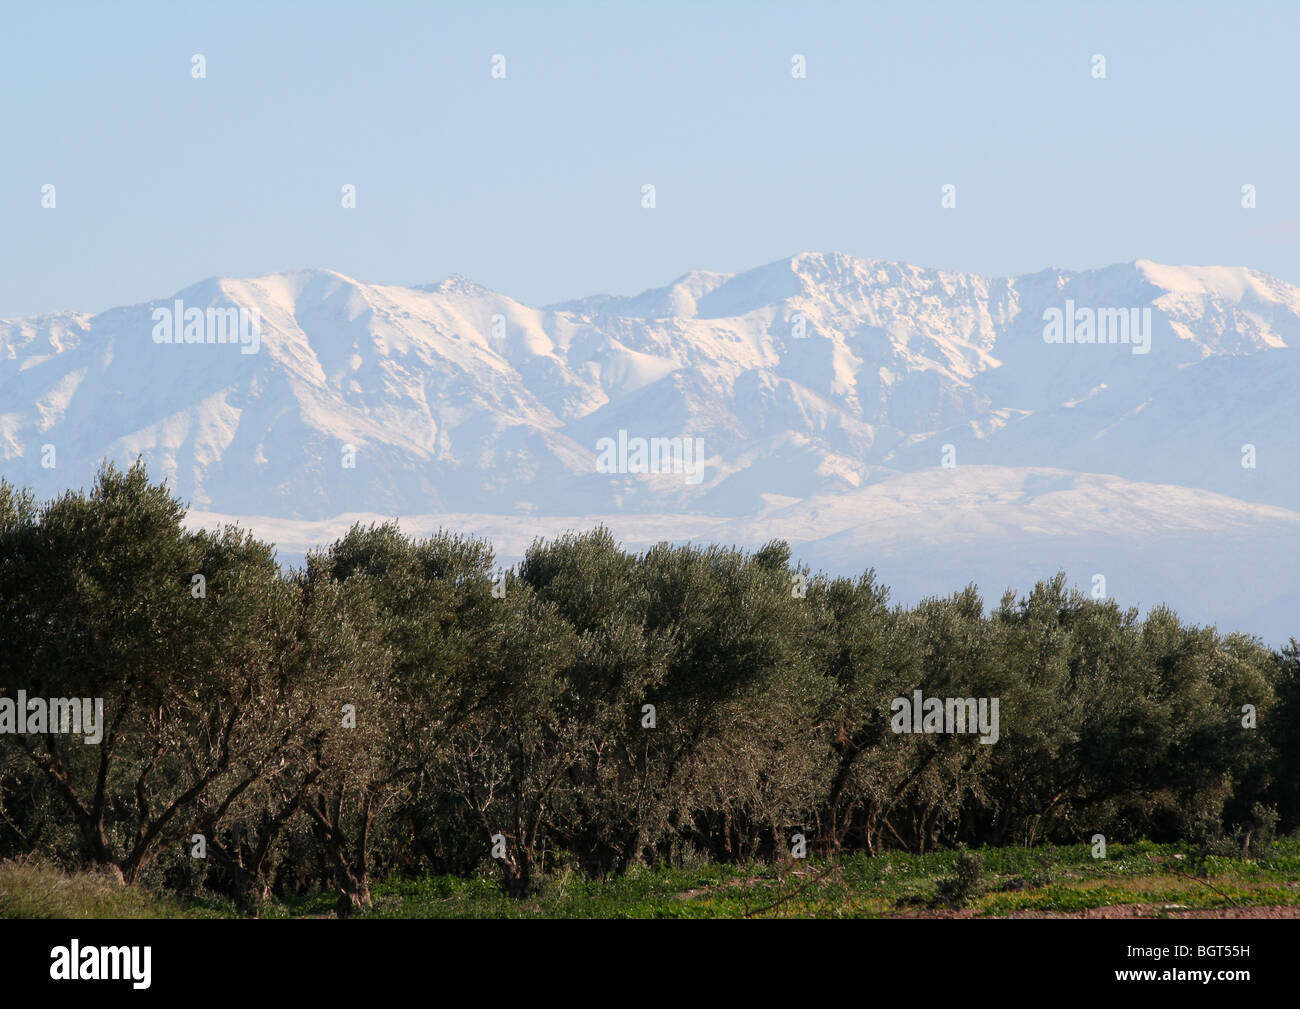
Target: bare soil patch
1127, 911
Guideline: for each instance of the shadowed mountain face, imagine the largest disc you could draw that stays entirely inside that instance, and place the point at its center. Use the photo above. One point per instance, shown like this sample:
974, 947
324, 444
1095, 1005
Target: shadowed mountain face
803, 383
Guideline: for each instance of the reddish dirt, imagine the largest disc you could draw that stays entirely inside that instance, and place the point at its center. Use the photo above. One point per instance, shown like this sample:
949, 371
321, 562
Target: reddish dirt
1129, 911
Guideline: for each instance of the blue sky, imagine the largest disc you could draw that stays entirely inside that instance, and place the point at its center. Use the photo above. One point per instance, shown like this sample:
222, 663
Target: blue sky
532, 184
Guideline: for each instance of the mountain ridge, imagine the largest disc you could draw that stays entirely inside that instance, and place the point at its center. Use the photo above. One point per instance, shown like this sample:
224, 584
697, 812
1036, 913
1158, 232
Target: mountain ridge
817, 383
837, 365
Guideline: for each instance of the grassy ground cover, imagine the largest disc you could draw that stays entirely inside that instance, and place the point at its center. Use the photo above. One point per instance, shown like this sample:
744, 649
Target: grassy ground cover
1142, 879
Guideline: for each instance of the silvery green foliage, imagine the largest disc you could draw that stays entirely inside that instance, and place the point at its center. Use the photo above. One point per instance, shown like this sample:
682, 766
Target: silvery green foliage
385, 710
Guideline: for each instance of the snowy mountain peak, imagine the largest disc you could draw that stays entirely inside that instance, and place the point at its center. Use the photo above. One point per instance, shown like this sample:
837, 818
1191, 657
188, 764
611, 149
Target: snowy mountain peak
843, 402
814, 374
457, 285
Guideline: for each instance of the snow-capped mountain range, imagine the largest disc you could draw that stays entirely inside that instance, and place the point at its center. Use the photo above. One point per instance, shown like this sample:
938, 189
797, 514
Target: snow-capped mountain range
867, 410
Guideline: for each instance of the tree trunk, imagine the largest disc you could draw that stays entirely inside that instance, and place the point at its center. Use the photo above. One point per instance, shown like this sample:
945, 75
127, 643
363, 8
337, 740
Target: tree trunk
354, 895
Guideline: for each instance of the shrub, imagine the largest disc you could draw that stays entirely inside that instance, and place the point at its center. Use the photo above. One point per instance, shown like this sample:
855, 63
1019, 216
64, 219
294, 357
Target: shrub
966, 882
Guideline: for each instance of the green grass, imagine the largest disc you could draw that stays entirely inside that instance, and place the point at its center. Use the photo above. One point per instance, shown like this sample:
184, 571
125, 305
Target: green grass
35, 890
1041, 879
